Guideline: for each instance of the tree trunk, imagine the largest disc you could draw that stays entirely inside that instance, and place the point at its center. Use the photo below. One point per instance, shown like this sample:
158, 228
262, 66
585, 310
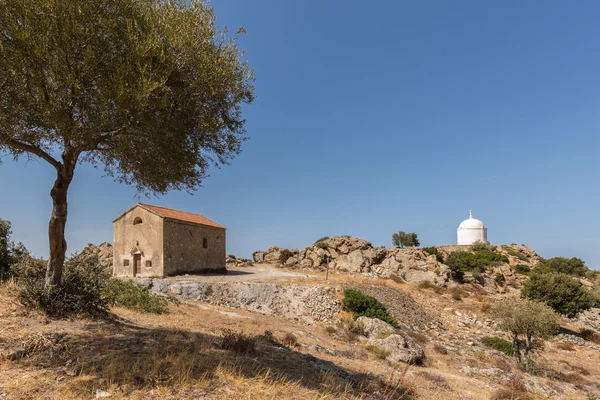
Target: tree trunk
516, 347
527, 350
56, 228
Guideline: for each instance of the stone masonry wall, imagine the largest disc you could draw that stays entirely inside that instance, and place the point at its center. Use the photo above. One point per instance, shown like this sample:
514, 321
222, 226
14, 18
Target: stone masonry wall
184, 250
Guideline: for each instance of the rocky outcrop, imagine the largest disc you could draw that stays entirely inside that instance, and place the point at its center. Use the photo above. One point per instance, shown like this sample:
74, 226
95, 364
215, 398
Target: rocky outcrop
103, 251
233, 261
354, 255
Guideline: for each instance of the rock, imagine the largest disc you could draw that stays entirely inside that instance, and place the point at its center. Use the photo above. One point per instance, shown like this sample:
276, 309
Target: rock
258, 256
401, 347
373, 327
291, 261
102, 394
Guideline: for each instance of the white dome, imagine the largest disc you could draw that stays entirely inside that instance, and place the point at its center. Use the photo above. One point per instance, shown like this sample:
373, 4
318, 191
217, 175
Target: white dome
471, 223
470, 231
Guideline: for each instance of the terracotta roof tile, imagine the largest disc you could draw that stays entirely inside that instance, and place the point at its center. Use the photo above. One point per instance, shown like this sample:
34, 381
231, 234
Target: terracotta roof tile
181, 215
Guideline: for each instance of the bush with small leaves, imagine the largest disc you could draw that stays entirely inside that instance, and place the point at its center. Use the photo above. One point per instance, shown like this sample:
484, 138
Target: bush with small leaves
570, 266
565, 294
127, 294
362, 305
522, 269
434, 251
499, 344
84, 289
284, 255
525, 318
500, 279
482, 246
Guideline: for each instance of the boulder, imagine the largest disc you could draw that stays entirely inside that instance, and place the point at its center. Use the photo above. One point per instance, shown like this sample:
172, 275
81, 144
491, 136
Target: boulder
291, 261
401, 348
258, 256
373, 327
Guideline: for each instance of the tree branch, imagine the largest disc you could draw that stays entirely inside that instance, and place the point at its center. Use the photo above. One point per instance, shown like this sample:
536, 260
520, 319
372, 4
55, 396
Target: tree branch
35, 151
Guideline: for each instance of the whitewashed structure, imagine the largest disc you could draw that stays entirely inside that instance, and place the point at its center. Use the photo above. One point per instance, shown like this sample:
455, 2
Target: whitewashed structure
470, 231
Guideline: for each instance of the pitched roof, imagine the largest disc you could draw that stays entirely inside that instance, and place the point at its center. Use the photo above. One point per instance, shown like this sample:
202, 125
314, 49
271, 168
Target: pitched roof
180, 215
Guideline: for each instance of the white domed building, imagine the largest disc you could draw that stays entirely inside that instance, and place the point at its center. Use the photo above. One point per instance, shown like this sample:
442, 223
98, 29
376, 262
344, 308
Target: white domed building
470, 231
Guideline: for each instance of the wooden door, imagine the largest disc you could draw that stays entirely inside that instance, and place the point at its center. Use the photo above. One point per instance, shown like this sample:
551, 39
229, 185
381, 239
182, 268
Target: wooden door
137, 260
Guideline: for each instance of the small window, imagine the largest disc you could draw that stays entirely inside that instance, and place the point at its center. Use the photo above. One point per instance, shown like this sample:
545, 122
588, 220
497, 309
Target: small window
137, 220
126, 262
205, 243
148, 263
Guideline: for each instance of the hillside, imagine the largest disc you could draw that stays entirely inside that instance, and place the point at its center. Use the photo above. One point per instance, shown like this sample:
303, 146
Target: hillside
272, 331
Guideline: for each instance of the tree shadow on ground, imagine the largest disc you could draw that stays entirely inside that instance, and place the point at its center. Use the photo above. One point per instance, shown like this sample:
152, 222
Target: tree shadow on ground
131, 357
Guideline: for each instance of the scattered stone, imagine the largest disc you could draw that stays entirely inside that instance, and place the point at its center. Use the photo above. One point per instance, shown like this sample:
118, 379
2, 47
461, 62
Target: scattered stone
102, 394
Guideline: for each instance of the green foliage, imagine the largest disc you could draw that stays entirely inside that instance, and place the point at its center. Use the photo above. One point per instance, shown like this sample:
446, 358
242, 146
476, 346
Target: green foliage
522, 269
362, 305
87, 289
566, 295
570, 266
463, 261
499, 344
482, 246
284, 255
321, 243
403, 239
324, 238
84, 290
525, 318
137, 93
500, 279
126, 293
434, 250
516, 253
10, 252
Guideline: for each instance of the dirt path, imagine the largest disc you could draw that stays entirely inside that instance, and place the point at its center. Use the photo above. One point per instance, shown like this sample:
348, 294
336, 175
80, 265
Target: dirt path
256, 273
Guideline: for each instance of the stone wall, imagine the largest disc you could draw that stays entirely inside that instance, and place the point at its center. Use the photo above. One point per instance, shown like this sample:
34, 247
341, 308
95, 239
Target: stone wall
184, 248
147, 236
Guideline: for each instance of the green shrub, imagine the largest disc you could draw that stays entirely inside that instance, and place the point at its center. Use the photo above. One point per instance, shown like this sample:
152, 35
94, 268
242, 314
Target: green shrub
434, 250
127, 294
499, 344
516, 253
500, 280
570, 266
482, 246
324, 238
463, 261
564, 294
362, 305
522, 269
284, 255
83, 290
87, 289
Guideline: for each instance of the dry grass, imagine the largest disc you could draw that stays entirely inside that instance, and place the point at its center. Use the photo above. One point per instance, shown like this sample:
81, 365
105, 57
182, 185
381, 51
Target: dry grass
565, 346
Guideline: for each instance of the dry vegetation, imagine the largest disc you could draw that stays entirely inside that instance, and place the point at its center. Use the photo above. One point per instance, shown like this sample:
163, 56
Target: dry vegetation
205, 351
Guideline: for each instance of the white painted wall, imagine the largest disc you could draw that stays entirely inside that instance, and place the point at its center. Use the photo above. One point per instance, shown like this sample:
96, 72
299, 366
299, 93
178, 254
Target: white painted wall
471, 235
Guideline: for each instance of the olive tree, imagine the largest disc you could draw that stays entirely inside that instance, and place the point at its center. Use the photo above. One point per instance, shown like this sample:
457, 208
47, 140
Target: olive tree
525, 318
149, 90
403, 239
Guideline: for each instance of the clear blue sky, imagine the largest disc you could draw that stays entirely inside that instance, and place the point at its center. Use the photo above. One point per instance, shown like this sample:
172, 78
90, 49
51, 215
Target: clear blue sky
375, 117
